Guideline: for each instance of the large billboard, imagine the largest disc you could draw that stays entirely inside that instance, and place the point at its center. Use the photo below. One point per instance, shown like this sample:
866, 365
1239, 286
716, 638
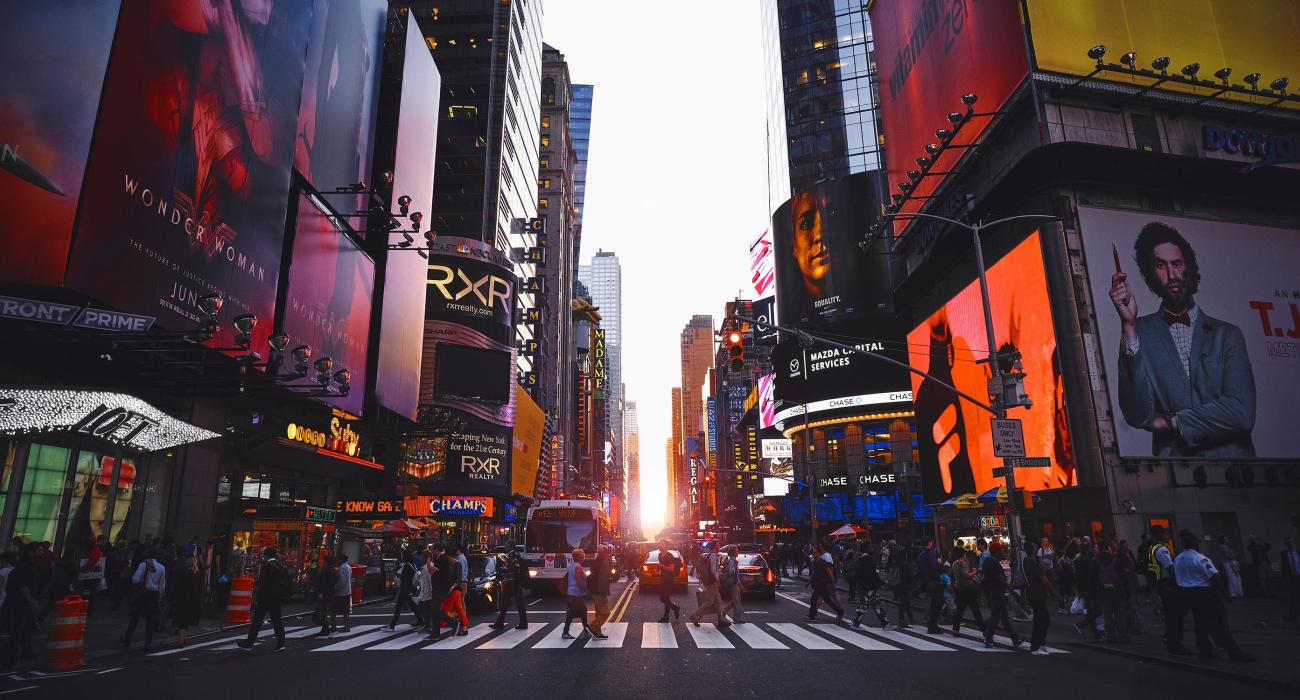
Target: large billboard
54, 56
529, 432
401, 342
822, 275
1249, 37
1200, 333
954, 440
928, 54
327, 303
188, 177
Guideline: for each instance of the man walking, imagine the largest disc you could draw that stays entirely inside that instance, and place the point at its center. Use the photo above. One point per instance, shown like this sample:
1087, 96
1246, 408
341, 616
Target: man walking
1086, 572
668, 566
406, 592
268, 597
598, 587
575, 587
729, 588
1038, 583
327, 576
512, 574
1195, 574
965, 585
151, 578
710, 599
823, 583
927, 571
1162, 566
995, 594
438, 570
342, 603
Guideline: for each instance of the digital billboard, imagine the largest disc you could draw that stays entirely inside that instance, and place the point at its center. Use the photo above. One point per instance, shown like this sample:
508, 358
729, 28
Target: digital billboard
954, 440
401, 342
54, 56
529, 432
762, 269
328, 299
1249, 37
1199, 323
928, 54
188, 178
822, 275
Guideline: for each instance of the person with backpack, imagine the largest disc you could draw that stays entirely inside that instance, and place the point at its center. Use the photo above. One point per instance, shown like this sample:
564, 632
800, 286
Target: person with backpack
822, 580
149, 582
709, 597
729, 584
406, 592
965, 592
323, 582
994, 583
273, 583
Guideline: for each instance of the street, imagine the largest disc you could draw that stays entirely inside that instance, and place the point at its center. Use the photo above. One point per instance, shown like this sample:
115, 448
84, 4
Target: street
775, 652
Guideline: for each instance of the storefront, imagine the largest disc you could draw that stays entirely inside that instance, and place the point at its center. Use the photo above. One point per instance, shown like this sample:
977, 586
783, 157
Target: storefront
469, 520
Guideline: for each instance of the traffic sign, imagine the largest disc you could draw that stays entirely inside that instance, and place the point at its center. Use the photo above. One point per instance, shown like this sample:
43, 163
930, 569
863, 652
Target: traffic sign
1021, 462
1008, 437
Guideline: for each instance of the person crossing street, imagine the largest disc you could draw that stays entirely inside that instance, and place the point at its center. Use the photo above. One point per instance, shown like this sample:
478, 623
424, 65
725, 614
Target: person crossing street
598, 588
268, 599
406, 592
823, 583
668, 567
512, 573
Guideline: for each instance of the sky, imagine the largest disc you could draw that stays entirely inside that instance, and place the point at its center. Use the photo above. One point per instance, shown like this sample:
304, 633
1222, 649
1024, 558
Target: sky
676, 178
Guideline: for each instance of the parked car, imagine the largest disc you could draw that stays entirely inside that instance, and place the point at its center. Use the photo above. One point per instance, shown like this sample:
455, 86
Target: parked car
649, 572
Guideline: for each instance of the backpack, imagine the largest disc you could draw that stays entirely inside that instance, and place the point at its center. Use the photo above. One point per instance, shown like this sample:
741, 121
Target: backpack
1107, 576
705, 572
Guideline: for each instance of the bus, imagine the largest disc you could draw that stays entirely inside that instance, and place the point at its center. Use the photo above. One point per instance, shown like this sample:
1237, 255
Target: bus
553, 530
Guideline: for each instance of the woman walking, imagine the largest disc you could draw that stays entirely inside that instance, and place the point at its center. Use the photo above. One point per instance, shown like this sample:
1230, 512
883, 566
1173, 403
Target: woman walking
575, 580
1231, 565
187, 598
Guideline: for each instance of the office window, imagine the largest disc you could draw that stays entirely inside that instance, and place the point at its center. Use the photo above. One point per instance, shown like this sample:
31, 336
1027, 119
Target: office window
546, 122
544, 183
543, 202
544, 163
546, 141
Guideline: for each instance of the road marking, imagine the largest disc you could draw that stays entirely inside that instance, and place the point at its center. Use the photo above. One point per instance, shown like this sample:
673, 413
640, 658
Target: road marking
535, 602
755, 637
476, 633
616, 631
658, 635
858, 640
554, 640
1000, 639
223, 640
707, 636
512, 638
806, 639
300, 634
627, 599
16, 690
360, 640
964, 642
409, 639
906, 640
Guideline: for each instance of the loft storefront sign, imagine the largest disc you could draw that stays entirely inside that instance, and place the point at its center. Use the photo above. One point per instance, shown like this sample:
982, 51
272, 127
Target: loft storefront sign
117, 418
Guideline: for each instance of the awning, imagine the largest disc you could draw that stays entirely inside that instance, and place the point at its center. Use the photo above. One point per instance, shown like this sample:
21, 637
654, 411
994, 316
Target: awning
117, 418
849, 530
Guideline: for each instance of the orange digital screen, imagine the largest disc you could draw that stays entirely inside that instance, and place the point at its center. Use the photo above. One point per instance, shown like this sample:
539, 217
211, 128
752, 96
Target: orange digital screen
954, 440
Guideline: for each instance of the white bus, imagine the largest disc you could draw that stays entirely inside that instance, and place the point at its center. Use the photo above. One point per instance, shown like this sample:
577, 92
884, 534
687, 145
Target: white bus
553, 530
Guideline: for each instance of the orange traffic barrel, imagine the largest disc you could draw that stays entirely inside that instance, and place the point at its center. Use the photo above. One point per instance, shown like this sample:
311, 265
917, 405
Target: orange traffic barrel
65, 647
240, 605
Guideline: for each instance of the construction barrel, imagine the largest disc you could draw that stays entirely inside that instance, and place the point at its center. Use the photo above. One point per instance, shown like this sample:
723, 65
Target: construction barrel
239, 608
65, 648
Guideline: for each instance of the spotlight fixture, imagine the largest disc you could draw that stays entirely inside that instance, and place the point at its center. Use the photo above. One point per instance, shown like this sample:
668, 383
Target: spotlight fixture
942, 134
416, 218
388, 176
1161, 64
278, 341
932, 149
1222, 74
922, 161
210, 305
302, 354
323, 366
404, 204
1097, 52
1190, 70
955, 117
969, 99
430, 236
1252, 80
343, 378
1280, 84
914, 175
905, 186
406, 241
245, 323
1130, 60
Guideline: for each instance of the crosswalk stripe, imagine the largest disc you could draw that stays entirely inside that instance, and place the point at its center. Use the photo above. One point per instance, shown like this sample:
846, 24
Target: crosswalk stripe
906, 640
860, 641
512, 638
707, 636
755, 637
359, 640
803, 637
300, 634
658, 635
965, 642
476, 633
616, 631
215, 642
407, 640
554, 639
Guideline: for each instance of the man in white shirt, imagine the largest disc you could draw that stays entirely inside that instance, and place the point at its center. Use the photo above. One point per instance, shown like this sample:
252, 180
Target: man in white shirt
1195, 574
343, 595
150, 582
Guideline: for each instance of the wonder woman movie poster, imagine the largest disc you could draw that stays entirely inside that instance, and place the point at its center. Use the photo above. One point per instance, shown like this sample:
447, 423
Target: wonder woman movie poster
54, 56
954, 440
327, 307
188, 179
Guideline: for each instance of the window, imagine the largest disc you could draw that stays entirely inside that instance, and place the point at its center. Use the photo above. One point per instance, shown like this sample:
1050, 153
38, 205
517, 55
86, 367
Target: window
543, 202
1145, 133
544, 163
546, 122
544, 183
546, 140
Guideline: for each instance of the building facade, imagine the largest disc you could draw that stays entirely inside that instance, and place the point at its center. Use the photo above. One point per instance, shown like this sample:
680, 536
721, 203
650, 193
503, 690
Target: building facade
632, 457
603, 278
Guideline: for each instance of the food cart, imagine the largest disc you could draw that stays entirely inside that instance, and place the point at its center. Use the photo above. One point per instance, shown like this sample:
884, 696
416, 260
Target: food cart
304, 536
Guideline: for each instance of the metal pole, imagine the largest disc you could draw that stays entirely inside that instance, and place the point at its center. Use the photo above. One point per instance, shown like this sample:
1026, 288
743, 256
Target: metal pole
808, 468
17, 473
107, 532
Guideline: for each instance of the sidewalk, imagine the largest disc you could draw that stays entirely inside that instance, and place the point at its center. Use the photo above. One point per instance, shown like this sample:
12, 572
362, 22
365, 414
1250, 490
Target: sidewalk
1256, 625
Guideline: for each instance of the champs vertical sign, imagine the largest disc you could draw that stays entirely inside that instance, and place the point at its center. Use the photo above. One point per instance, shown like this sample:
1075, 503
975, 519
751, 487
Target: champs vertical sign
598, 357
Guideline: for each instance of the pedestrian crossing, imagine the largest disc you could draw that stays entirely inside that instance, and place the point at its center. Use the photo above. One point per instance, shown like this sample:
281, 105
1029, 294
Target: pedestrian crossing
548, 636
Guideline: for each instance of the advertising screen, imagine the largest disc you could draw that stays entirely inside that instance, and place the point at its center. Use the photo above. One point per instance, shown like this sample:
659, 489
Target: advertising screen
821, 273
1219, 382
479, 456
188, 179
475, 373
762, 270
327, 305
955, 443
931, 52
401, 342
1258, 36
529, 432
54, 56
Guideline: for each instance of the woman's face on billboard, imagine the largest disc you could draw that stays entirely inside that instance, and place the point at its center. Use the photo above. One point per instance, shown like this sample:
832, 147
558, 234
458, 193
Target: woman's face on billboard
809, 251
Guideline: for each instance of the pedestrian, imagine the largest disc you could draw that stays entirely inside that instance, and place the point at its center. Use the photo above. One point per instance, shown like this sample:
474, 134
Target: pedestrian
575, 587
1037, 586
44, 563
1065, 577
272, 589
1171, 602
668, 568
327, 577
904, 573
441, 581
1231, 568
598, 587
729, 586
1258, 550
822, 581
709, 595
1195, 574
1291, 579
1046, 555
342, 602
1111, 592
927, 575
994, 584
849, 568
1130, 616
1086, 575
118, 572
406, 591
187, 599
454, 604
513, 574
868, 581
150, 582
92, 574
965, 592
18, 611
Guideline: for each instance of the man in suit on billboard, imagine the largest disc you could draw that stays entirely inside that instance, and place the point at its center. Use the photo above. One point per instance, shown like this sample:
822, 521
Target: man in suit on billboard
1183, 376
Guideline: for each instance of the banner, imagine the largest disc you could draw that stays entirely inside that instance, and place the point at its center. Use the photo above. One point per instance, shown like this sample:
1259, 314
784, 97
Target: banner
762, 269
529, 432
480, 456
954, 440
188, 178
54, 56
1231, 396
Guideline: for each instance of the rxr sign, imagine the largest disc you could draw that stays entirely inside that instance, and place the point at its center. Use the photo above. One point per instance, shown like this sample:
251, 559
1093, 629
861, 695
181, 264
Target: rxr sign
482, 468
455, 285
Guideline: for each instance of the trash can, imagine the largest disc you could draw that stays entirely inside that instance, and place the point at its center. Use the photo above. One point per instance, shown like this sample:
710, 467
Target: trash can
358, 581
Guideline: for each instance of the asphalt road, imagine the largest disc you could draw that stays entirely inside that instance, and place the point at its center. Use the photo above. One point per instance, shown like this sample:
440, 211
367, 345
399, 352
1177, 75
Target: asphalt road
775, 652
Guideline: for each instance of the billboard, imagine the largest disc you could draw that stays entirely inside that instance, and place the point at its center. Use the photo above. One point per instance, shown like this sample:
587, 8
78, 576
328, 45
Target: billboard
928, 54
54, 56
821, 273
1258, 36
1220, 381
954, 440
762, 269
401, 342
328, 299
188, 178
529, 432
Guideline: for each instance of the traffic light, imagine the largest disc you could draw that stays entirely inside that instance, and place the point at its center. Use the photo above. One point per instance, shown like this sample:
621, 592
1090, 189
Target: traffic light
736, 351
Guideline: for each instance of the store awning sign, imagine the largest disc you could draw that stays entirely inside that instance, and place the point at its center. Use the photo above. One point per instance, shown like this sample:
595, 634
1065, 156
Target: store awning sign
479, 506
117, 418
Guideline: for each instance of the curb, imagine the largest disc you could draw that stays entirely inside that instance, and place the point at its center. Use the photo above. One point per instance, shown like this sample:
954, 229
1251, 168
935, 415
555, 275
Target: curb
1196, 668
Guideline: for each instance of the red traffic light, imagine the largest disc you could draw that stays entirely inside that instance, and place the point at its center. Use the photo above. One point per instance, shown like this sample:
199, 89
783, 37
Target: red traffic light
733, 337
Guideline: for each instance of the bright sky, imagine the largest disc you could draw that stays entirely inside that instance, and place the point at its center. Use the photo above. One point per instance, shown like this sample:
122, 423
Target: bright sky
677, 177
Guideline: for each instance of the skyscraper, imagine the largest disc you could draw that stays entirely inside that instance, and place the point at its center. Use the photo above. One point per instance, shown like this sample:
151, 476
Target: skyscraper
632, 457
604, 280
580, 132
696, 359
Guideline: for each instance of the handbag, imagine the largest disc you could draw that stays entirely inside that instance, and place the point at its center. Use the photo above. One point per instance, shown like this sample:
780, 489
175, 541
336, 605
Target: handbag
701, 596
1077, 607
